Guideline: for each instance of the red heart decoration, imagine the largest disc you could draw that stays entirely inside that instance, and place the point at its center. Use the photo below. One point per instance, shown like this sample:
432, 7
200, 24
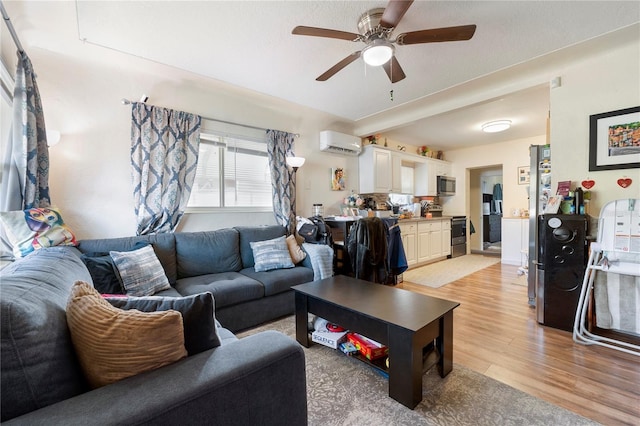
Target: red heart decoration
624, 182
588, 184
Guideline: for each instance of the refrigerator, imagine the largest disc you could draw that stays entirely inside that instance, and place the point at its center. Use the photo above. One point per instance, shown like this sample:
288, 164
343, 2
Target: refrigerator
539, 194
561, 263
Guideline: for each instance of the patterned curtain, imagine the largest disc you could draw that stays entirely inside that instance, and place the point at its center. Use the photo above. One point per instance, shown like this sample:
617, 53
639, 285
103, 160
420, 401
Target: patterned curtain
25, 168
164, 156
283, 179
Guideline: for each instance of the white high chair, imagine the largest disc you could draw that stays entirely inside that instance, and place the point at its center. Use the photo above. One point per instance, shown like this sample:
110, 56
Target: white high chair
614, 266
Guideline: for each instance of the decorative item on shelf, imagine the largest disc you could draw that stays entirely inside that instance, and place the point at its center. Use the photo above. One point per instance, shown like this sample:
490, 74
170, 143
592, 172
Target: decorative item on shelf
373, 139
423, 150
440, 155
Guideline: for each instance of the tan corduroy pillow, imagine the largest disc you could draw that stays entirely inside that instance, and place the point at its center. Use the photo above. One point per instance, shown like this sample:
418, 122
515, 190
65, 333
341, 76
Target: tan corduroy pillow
112, 344
297, 254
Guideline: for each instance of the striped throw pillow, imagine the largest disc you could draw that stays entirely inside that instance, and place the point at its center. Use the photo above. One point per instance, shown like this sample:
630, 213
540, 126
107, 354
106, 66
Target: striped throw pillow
140, 271
271, 254
112, 344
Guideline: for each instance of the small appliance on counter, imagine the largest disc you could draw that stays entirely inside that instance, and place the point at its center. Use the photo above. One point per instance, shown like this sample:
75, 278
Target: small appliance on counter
430, 209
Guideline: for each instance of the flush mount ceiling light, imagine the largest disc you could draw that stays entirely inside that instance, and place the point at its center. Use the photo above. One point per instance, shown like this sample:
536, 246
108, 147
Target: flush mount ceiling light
377, 53
496, 126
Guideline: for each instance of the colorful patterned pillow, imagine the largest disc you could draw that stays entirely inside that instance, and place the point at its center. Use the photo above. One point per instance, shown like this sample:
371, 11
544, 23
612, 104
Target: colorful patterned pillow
113, 344
140, 271
36, 228
271, 254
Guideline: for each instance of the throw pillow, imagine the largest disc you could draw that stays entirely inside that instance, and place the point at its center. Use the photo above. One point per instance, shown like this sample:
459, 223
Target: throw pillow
140, 271
271, 254
36, 228
113, 344
297, 254
198, 316
104, 273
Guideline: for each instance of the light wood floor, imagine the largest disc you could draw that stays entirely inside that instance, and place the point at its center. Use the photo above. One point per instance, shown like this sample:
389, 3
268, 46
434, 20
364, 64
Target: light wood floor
496, 334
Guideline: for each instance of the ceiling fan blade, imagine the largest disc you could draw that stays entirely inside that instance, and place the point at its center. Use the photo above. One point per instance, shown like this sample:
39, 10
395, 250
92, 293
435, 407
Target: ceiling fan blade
324, 32
337, 67
394, 12
394, 70
464, 32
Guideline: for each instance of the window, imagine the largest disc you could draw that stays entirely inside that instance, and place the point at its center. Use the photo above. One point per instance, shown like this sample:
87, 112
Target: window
233, 171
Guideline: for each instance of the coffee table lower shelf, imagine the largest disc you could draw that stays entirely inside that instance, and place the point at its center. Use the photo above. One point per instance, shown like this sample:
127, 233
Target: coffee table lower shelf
405, 322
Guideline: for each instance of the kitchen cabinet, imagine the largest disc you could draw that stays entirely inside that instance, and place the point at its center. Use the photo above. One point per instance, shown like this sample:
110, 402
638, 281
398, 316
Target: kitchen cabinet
396, 172
430, 240
515, 241
380, 170
427, 171
446, 237
408, 233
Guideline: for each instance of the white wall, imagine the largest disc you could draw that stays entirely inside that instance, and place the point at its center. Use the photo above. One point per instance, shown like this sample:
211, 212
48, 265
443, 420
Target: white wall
605, 82
90, 172
510, 155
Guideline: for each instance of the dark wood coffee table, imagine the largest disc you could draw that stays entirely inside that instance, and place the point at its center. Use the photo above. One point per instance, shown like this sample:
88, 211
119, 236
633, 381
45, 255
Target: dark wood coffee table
402, 320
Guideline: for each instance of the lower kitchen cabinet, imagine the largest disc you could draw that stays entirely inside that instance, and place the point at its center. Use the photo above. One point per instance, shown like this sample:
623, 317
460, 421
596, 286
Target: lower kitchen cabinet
446, 237
408, 233
426, 240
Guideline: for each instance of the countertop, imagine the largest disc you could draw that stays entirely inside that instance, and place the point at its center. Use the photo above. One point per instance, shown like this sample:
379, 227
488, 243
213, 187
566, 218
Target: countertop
424, 219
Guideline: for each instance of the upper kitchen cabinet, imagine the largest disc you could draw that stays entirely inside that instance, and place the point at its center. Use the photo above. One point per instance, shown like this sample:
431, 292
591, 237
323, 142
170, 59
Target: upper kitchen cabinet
380, 170
426, 173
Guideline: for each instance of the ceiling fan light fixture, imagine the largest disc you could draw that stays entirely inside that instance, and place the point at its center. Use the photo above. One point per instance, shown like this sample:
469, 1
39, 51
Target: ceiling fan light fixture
496, 126
377, 53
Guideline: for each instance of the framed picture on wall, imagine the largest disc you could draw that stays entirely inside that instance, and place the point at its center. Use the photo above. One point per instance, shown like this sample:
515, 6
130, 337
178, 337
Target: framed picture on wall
614, 140
338, 179
523, 175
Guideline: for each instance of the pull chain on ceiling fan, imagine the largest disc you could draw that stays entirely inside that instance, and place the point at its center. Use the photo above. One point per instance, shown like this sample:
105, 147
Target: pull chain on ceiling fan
375, 27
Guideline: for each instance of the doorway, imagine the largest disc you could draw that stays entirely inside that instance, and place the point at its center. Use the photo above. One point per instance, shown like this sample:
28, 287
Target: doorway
485, 201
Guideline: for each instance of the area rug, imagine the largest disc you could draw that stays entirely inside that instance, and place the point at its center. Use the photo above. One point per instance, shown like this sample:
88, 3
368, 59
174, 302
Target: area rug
344, 391
440, 273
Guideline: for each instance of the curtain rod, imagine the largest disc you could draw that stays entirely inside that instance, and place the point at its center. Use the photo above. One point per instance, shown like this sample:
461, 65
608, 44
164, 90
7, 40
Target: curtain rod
297, 135
12, 31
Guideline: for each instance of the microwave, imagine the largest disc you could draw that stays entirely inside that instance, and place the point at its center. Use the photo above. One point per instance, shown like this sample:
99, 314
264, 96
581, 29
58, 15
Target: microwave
446, 185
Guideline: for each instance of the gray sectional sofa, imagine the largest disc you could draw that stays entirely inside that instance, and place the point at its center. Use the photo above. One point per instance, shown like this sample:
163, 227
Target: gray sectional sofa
220, 262
258, 379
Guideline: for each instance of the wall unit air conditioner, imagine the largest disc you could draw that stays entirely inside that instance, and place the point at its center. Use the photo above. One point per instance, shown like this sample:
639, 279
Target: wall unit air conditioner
340, 143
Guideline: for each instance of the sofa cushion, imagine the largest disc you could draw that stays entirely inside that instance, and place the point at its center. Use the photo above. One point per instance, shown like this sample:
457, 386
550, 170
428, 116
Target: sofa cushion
36, 228
140, 271
113, 344
271, 254
256, 233
228, 288
164, 246
38, 363
279, 280
198, 316
210, 252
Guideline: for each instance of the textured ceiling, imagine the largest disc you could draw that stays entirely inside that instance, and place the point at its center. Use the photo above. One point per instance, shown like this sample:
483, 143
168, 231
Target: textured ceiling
249, 44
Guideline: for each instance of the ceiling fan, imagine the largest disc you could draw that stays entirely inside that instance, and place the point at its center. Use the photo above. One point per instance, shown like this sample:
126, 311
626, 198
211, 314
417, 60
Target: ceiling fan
375, 27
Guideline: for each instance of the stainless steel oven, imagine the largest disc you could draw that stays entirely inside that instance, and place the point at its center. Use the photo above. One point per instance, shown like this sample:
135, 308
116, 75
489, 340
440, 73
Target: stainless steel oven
458, 236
